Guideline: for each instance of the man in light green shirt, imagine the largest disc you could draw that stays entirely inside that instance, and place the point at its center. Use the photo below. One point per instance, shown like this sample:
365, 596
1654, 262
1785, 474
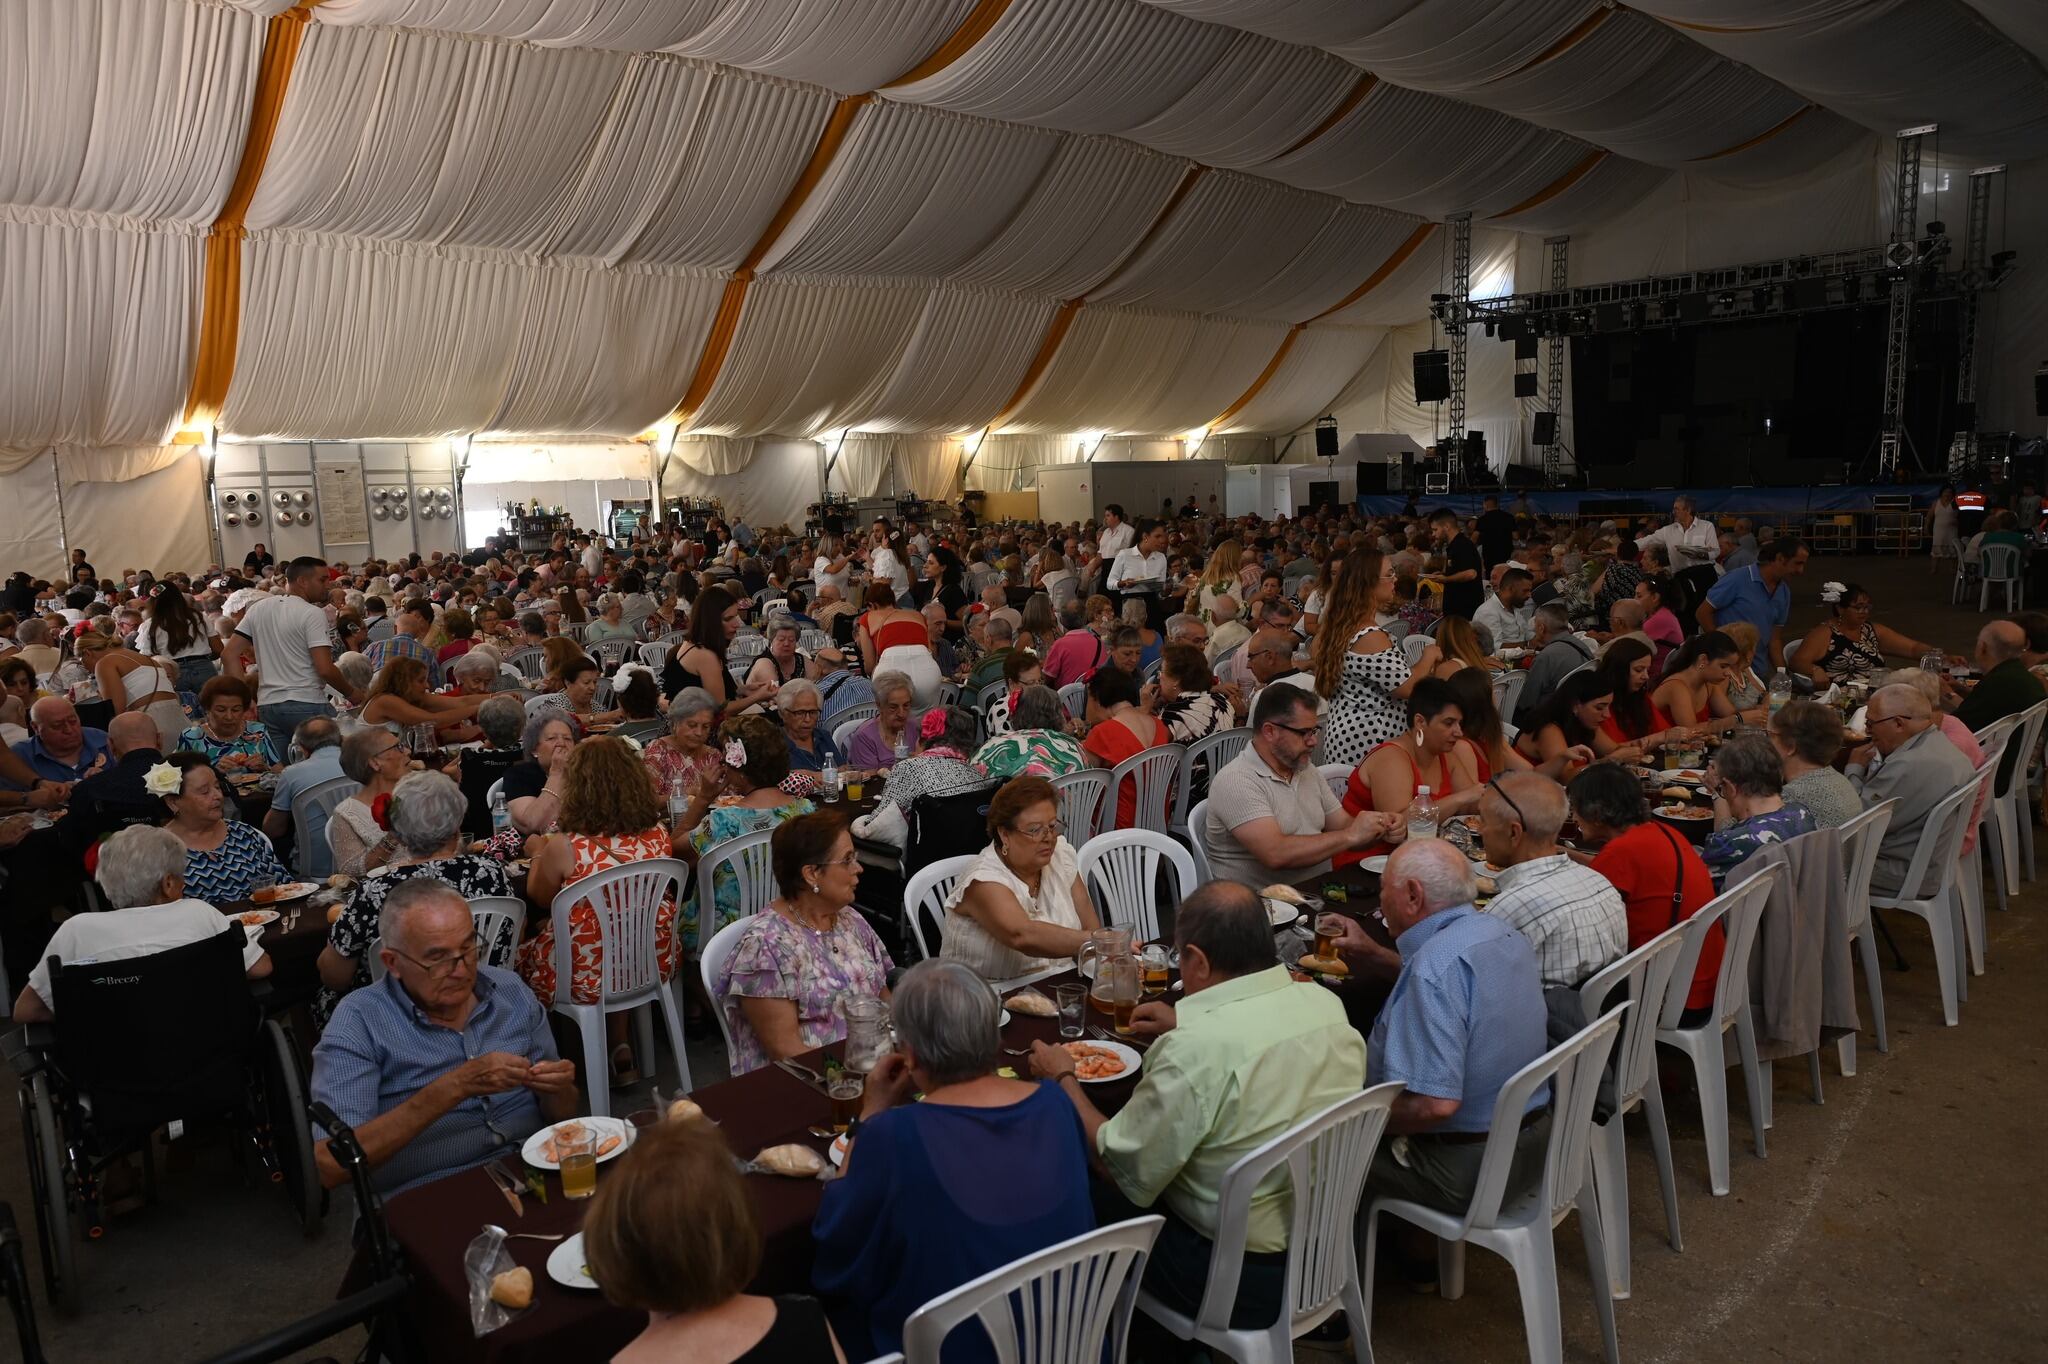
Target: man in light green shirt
1248, 1054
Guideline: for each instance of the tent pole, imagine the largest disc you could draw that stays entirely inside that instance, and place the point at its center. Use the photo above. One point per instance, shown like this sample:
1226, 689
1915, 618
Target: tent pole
63, 536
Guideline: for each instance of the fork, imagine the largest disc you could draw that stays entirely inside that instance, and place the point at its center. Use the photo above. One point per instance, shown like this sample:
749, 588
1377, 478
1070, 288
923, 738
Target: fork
1102, 1034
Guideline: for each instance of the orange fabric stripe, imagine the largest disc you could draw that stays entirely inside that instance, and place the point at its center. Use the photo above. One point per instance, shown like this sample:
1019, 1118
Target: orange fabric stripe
1377, 277
1578, 34
1351, 101
1265, 377
1557, 186
221, 307
725, 324
1062, 320
1764, 136
972, 30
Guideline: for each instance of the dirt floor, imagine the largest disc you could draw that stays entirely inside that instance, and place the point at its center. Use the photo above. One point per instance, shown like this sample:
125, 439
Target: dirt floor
1901, 1220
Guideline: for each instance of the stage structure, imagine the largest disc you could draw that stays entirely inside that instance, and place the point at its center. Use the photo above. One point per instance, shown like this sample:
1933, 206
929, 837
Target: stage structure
1979, 265
1554, 449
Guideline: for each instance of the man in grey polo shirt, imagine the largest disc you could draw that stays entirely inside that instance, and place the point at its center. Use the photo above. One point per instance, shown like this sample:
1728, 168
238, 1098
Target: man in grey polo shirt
1271, 815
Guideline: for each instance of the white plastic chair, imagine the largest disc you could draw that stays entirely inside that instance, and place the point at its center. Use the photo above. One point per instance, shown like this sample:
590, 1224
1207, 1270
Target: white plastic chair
531, 664
1520, 1230
1413, 646
2001, 567
1325, 1158
610, 653
811, 639
1738, 910
1121, 871
1084, 802
1970, 870
654, 655
1646, 972
722, 945
627, 900
1154, 771
497, 789
1198, 822
926, 893
747, 857
1507, 691
1941, 838
493, 913
986, 702
1218, 750
1074, 699
545, 701
308, 858
1068, 1304
851, 719
1338, 775
2010, 802
1860, 837
1993, 838
747, 647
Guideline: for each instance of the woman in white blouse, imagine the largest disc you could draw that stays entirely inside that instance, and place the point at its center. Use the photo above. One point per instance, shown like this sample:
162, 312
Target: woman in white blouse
1021, 908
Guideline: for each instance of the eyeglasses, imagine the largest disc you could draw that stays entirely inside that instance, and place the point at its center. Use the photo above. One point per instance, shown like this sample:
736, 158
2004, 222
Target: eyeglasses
1869, 719
1306, 733
1039, 831
440, 968
807, 712
1494, 786
849, 861
397, 747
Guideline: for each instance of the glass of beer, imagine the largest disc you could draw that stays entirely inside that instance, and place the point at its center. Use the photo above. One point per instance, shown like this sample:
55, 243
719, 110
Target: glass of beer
579, 1164
845, 1092
1328, 930
1119, 984
1158, 968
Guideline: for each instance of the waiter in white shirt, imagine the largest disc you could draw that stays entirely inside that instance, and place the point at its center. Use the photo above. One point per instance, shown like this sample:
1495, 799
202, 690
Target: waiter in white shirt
1690, 541
1142, 563
1117, 534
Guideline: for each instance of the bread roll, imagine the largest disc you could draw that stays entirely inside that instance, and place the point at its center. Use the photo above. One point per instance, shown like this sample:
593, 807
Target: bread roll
797, 1161
513, 1289
683, 1109
334, 912
1284, 893
1334, 967
1029, 1002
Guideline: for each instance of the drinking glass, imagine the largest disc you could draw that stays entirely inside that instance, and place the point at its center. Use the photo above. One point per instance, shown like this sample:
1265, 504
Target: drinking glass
1071, 1002
1327, 933
579, 1164
867, 1032
845, 1092
1157, 963
1118, 986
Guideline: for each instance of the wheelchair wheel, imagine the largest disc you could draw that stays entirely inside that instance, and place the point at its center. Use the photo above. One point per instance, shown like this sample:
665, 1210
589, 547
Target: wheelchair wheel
48, 1177
284, 1097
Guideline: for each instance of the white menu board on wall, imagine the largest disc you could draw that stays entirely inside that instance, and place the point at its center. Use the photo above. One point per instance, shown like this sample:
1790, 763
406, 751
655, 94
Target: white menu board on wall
344, 516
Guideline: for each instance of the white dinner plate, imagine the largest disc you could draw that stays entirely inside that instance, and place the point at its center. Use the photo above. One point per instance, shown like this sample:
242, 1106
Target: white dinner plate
566, 1267
1281, 913
604, 1127
1373, 864
1004, 1021
254, 918
289, 891
836, 1153
1130, 1056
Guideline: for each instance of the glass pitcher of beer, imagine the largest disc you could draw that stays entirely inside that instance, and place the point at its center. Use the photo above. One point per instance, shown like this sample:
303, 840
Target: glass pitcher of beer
1119, 983
1103, 944
867, 1032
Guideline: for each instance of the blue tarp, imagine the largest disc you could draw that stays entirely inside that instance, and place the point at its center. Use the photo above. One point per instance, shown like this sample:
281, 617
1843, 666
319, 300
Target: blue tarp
1712, 502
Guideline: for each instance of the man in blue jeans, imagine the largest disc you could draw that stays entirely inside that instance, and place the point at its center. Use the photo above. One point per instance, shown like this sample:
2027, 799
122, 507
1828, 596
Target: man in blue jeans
287, 638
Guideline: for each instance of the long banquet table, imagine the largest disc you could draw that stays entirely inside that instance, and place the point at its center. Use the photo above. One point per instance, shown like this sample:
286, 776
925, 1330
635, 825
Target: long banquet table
435, 1222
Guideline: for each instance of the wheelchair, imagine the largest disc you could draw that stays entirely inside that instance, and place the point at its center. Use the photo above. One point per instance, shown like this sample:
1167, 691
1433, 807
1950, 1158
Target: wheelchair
177, 1038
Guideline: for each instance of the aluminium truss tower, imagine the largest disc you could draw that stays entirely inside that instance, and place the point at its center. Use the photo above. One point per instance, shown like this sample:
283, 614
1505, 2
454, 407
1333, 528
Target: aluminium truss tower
1903, 252
1962, 451
1456, 322
1553, 369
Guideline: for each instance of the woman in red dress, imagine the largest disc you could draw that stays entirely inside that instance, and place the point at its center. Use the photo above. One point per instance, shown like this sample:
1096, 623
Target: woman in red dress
1118, 729
1636, 726
1420, 756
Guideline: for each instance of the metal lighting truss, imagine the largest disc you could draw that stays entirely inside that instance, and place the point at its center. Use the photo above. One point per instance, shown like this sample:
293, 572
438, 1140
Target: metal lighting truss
1978, 276
1553, 368
1457, 318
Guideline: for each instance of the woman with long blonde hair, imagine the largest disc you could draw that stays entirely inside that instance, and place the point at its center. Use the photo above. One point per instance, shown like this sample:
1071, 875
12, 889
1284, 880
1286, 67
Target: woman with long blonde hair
1458, 643
1219, 576
1357, 665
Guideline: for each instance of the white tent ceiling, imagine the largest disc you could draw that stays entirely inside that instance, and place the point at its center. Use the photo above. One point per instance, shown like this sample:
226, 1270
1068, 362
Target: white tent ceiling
417, 218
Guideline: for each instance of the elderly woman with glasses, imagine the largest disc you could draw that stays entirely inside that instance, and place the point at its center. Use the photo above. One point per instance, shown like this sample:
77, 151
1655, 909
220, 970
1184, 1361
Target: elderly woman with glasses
1747, 781
356, 830
881, 1255
1021, 907
942, 766
810, 747
1037, 744
782, 987
224, 859
426, 814
1851, 647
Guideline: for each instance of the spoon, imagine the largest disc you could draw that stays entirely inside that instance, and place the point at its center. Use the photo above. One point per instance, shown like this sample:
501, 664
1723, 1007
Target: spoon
525, 1235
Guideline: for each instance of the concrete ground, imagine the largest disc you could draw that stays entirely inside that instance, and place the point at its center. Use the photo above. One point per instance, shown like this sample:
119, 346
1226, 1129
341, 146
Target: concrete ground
1901, 1220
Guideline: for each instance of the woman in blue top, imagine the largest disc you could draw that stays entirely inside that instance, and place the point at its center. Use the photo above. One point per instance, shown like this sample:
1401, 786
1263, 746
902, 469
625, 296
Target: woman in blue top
984, 1171
1747, 780
224, 859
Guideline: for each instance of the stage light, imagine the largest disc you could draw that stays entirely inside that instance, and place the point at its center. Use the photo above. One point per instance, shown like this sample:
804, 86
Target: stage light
1726, 300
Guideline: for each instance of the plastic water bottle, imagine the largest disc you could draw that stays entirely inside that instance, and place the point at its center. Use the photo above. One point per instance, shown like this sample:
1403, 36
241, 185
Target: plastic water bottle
828, 780
902, 745
678, 799
1781, 690
1422, 816
501, 814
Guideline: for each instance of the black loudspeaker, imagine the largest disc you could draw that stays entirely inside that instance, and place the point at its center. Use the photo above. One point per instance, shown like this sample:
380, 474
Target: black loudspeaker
1432, 376
1521, 476
1475, 451
1525, 385
2041, 392
1326, 442
1525, 344
1544, 430
1807, 293
1372, 478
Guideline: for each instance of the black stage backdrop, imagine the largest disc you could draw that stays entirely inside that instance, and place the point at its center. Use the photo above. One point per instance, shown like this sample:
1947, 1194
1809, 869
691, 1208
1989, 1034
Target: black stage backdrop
1789, 400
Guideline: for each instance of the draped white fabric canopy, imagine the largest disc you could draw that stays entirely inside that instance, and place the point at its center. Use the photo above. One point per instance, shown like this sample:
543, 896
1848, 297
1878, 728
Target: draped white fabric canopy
911, 219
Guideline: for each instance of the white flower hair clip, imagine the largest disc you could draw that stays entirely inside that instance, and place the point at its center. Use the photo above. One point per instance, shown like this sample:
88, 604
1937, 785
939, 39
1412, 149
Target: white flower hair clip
1831, 593
735, 753
625, 675
162, 779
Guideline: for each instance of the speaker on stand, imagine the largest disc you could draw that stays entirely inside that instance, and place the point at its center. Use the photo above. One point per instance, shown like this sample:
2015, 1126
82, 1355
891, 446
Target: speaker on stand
1326, 438
1432, 376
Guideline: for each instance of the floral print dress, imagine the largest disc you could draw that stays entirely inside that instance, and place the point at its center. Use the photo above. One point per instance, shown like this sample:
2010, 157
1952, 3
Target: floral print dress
595, 853
720, 823
355, 931
779, 958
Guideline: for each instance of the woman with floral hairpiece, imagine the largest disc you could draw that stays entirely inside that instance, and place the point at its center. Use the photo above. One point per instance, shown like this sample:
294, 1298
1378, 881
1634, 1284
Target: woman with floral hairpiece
742, 795
1849, 646
942, 766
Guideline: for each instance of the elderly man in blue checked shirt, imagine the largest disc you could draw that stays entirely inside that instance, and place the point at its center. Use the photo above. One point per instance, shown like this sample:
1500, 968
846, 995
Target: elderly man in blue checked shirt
1466, 1013
446, 1062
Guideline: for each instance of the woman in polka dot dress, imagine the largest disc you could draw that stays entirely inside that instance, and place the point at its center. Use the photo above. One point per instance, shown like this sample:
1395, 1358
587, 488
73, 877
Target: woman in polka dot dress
1358, 665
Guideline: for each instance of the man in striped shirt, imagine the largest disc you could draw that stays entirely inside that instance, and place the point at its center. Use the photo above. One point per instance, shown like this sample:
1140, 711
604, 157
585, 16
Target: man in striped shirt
415, 621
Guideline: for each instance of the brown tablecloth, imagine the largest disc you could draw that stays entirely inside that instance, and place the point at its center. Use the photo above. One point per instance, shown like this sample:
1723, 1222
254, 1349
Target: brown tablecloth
293, 942
435, 1222
1369, 984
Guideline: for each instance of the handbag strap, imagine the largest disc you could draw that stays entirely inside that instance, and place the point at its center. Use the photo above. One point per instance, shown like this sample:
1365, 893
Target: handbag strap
1677, 876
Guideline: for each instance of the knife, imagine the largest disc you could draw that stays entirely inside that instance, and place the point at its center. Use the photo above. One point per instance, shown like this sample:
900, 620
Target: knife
804, 1073
497, 1179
